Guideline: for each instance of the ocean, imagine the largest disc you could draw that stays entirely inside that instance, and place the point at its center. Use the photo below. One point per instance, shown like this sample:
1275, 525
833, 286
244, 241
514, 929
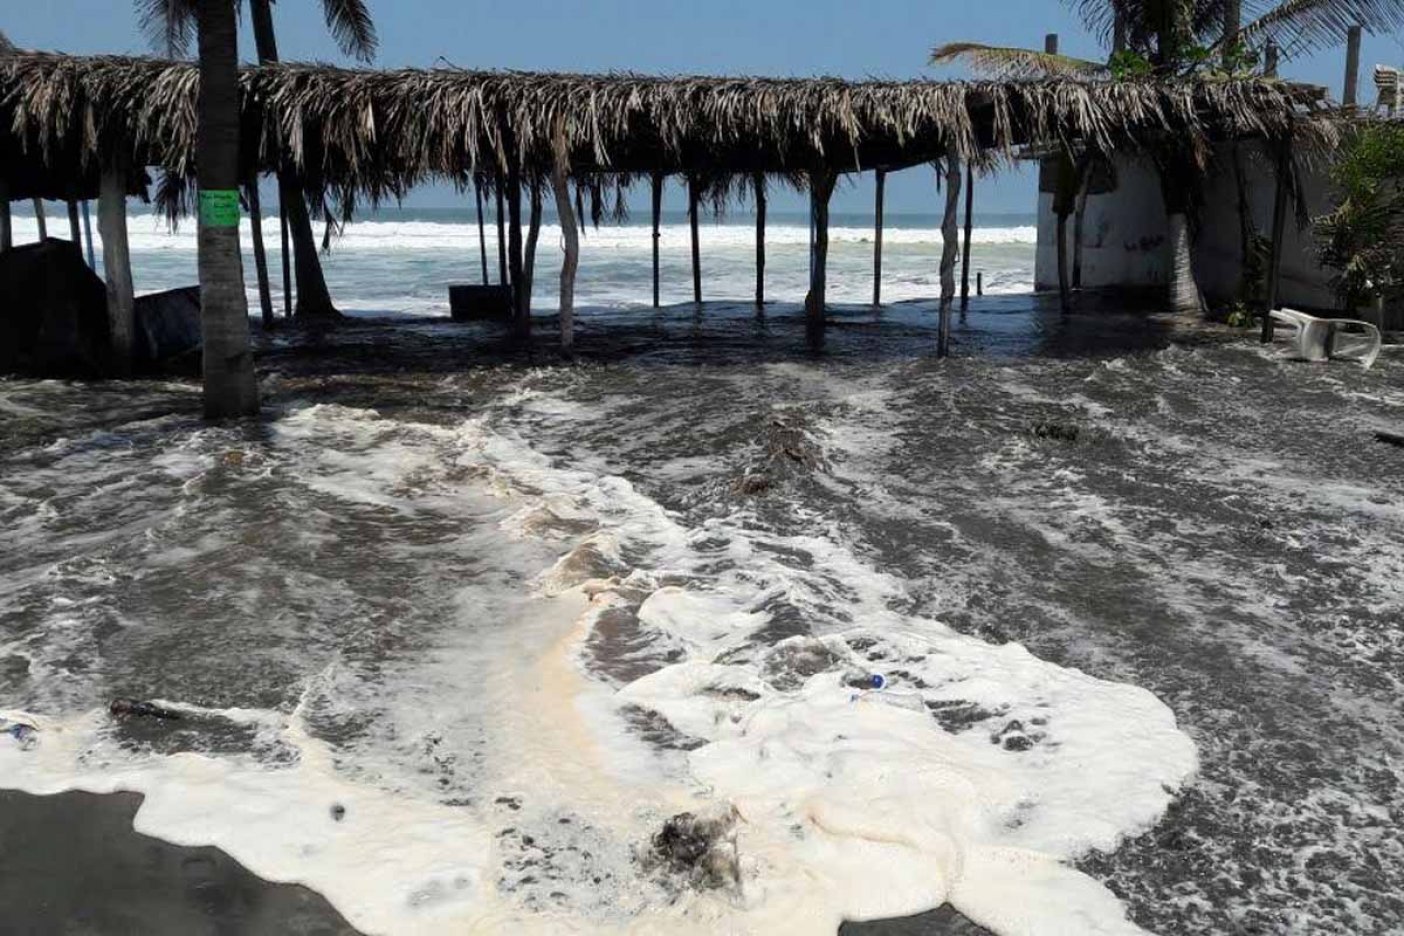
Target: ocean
400, 262
1080, 630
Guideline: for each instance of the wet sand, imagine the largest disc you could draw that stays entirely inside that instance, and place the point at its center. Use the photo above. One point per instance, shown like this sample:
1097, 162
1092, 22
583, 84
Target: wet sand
71, 865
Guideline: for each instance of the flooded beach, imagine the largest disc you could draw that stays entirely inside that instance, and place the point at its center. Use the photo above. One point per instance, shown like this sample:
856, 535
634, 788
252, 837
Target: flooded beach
1134, 606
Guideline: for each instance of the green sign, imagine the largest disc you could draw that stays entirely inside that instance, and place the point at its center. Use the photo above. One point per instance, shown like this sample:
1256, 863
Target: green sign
219, 208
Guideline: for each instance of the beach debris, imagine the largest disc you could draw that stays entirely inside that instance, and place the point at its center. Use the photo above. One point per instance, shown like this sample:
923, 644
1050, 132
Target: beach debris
700, 849
338, 812
1390, 438
24, 734
790, 449
1057, 432
130, 707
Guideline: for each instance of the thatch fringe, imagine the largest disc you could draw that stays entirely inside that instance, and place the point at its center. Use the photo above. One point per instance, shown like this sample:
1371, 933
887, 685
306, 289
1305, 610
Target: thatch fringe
367, 136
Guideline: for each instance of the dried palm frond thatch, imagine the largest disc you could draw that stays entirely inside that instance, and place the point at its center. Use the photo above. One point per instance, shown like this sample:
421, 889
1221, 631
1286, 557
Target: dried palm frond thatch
366, 136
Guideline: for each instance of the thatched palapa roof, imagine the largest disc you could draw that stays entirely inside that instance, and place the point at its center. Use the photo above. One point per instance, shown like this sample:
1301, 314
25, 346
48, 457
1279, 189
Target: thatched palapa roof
367, 135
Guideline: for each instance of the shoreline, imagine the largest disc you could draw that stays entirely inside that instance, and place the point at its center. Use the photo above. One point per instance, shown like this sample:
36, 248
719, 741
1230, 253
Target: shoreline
74, 862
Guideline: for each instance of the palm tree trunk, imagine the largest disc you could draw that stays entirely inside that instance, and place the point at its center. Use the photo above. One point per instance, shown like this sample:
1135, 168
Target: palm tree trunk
230, 387
39, 217
313, 299
265, 292
1184, 290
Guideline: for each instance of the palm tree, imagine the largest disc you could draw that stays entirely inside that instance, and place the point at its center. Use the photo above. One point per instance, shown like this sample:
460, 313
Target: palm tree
1172, 38
230, 386
350, 24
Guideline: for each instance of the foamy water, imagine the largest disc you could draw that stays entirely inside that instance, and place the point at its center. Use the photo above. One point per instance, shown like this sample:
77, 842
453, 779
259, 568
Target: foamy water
455, 635
403, 262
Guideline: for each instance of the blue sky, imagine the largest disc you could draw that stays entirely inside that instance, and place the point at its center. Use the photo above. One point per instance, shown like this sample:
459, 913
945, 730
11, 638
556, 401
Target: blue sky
884, 38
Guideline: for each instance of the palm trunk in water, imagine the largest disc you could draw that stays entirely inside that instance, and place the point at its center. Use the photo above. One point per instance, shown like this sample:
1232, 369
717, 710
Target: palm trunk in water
313, 299
230, 387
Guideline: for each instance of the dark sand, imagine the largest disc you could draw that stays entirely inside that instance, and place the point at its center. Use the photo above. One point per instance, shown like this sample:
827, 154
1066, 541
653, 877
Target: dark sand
71, 865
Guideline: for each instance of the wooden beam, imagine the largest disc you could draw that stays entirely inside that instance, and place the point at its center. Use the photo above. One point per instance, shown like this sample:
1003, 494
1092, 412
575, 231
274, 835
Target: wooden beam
533, 235
821, 188
657, 182
758, 183
878, 197
265, 292
1233, 23
88, 233
1279, 230
969, 231
1352, 76
501, 238
1119, 31
694, 196
1270, 57
482, 231
7, 231
521, 313
950, 238
571, 234
1050, 44
285, 230
43, 221
117, 264
75, 233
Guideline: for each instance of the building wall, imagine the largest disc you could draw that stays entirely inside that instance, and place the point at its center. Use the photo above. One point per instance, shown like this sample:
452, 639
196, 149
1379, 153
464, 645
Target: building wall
1123, 232
1125, 240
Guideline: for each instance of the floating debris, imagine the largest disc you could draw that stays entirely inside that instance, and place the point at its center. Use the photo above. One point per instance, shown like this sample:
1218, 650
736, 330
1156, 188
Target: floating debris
23, 733
124, 707
701, 850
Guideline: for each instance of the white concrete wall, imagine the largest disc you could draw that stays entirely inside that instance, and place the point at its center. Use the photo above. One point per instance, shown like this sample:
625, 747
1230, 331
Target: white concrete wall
1125, 233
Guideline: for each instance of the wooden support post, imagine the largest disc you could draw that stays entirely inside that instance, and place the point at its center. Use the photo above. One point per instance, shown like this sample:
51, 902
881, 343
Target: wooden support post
980, 283
758, 184
571, 235
1270, 56
694, 196
1352, 76
43, 221
482, 232
501, 237
821, 188
287, 257
117, 264
1079, 215
1119, 31
88, 232
657, 234
950, 238
75, 233
533, 235
7, 231
265, 292
969, 232
1050, 44
1279, 230
521, 314
878, 197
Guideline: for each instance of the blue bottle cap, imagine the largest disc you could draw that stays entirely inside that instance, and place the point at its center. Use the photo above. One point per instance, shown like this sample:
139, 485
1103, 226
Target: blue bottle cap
877, 681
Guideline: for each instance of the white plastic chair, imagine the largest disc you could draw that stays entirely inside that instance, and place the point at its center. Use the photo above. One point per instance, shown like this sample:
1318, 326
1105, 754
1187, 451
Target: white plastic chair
1319, 339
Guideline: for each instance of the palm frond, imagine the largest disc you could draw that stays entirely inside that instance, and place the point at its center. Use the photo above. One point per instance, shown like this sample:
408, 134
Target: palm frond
1007, 62
351, 26
168, 24
1301, 26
